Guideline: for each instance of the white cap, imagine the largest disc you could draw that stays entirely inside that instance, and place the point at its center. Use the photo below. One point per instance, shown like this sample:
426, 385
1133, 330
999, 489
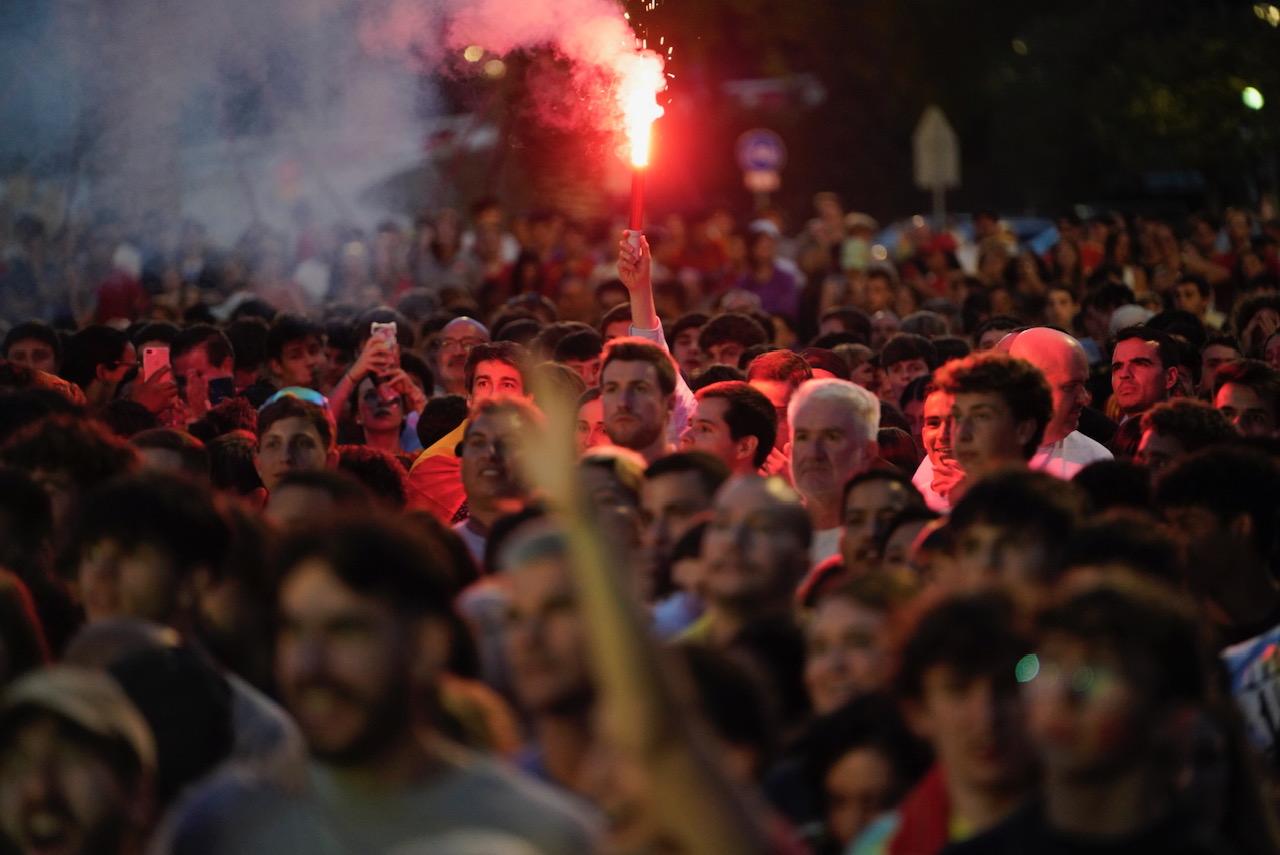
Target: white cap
88, 699
1129, 316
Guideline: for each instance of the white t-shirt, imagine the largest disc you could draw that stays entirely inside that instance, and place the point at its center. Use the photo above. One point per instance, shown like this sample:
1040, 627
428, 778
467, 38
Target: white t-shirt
826, 543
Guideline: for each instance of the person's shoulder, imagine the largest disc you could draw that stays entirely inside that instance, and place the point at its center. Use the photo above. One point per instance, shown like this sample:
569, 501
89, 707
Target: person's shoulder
239, 811
531, 808
1240, 655
266, 737
874, 839
1085, 449
1017, 834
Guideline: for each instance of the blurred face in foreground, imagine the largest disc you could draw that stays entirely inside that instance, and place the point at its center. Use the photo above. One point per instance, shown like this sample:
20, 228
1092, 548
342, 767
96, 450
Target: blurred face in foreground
135, 582
343, 664
858, 789
751, 550
544, 637
1083, 715
847, 652
976, 727
1158, 452
987, 554
60, 794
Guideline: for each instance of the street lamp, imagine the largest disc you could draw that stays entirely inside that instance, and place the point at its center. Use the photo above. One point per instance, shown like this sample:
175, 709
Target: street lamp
1252, 98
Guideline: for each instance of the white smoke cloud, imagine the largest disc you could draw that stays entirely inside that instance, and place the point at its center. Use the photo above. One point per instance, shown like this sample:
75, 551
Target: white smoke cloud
237, 110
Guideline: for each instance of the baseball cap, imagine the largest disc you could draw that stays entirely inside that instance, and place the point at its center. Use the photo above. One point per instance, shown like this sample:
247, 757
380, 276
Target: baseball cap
90, 700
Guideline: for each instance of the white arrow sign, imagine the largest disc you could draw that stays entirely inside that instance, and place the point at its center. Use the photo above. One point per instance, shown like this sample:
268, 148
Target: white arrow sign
937, 151
937, 155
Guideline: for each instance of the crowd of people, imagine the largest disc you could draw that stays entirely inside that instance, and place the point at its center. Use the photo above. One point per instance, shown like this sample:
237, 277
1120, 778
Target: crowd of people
512, 534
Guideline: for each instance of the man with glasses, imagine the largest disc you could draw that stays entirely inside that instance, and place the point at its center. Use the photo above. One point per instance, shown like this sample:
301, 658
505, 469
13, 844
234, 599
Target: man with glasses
453, 347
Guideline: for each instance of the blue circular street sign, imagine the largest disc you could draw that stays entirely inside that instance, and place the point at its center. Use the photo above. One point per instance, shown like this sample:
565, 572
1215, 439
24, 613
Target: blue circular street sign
761, 150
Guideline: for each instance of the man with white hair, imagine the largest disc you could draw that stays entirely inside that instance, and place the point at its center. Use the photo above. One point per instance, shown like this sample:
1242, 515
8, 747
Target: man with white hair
833, 438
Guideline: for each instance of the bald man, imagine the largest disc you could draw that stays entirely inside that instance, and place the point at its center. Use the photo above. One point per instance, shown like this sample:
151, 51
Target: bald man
1064, 450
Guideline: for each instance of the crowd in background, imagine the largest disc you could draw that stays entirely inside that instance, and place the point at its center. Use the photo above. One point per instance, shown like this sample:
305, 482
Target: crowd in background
867, 541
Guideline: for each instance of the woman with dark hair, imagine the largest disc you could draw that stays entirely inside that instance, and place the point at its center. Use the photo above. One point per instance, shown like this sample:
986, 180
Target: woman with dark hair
1119, 256
1065, 264
859, 761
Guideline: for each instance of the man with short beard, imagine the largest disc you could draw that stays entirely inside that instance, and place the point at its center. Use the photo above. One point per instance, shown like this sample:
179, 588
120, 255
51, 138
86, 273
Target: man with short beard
364, 637
637, 386
546, 646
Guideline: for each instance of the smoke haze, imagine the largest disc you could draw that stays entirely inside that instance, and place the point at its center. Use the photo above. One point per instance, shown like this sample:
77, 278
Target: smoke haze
241, 110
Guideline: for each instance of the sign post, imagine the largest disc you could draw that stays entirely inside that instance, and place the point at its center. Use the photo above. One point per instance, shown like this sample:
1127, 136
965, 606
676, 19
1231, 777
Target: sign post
761, 155
936, 150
